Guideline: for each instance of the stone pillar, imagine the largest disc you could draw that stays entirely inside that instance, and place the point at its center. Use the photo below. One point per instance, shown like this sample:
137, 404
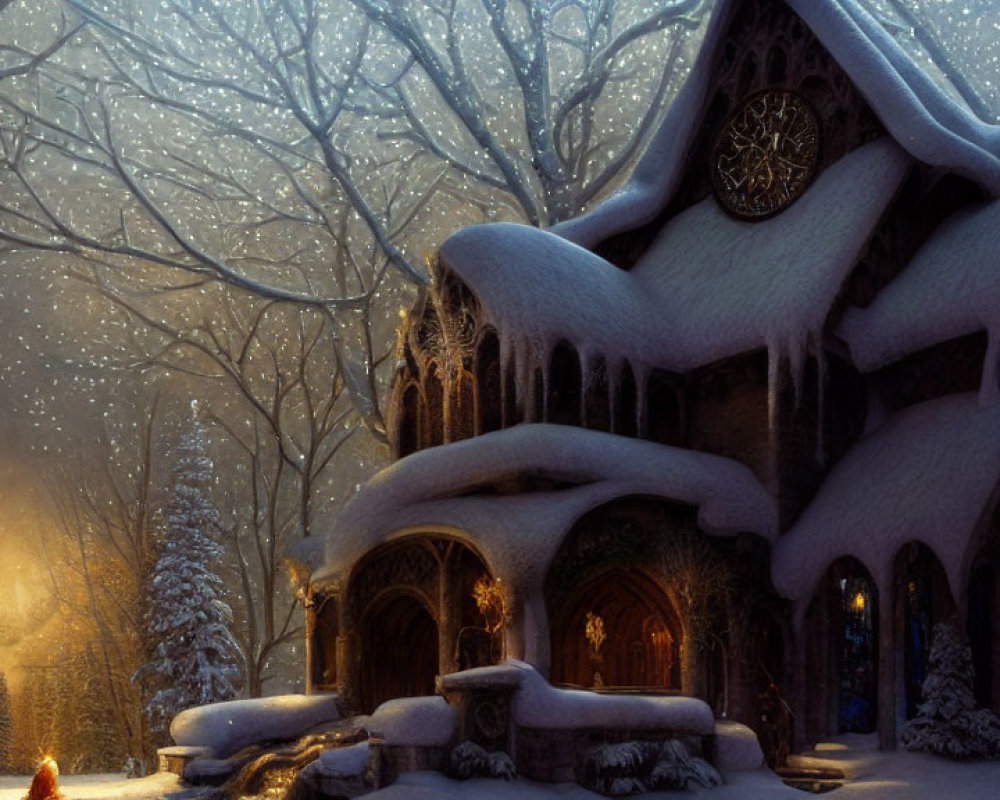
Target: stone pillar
800, 680
535, 632
886, 665
449, 614
347, 673
309, 648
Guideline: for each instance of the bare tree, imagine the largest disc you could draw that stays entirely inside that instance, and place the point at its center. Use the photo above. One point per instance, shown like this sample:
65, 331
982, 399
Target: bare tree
545, 135
283, 429
16, 59
264, 143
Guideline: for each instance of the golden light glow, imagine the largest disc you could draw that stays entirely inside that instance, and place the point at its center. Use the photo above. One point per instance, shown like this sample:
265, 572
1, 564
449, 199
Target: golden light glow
859, 602
489, 594
593, 630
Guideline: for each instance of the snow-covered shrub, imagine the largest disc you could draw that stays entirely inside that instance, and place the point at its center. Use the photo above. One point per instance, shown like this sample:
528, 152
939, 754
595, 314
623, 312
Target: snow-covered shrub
469, 760
502, 766
947, 721
619, 769
630, 768
677, 769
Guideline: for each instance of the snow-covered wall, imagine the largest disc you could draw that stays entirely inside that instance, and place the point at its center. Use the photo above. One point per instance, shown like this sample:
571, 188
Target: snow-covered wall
927, 475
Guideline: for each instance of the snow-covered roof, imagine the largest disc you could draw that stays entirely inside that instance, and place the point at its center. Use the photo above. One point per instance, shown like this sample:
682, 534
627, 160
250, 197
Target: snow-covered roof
927, 474
710, 286
914, 109
434, 491
949, 289
538, 704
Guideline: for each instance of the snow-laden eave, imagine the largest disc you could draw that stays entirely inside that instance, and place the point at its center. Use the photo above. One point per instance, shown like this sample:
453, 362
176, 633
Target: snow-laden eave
926, 475
916, 111
951, 288
518, 535
709, 287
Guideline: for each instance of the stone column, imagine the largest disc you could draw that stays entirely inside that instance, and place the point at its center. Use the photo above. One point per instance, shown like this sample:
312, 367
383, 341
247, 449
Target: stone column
800, 679
347, 673
449, 614
886, 665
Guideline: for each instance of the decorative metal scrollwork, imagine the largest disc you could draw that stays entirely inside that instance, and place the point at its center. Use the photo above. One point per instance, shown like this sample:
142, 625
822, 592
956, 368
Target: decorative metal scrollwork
766, 155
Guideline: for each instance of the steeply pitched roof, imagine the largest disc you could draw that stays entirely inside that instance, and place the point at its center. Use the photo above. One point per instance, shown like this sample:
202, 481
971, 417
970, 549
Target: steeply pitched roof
928, 123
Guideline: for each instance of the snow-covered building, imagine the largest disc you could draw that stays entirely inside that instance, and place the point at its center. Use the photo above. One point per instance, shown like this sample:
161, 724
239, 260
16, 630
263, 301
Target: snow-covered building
734, 433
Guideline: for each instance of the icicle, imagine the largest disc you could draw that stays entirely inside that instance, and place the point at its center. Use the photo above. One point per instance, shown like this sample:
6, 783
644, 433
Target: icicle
546, 365
522, 380
797, 351
773, 376
641, 375
989, 388
817, 347
614, 377
505, 356
585, 380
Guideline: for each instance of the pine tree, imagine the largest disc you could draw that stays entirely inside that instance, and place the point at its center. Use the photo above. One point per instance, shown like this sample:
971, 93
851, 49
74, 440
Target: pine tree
195, 658
947, 721
6, 728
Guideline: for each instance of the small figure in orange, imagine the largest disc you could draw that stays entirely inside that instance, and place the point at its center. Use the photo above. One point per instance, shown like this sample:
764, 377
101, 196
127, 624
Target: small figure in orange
45, 784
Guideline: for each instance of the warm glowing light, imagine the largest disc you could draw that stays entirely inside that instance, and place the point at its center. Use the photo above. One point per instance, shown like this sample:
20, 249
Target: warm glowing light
859, 602
489, 594
45, 784
593, 629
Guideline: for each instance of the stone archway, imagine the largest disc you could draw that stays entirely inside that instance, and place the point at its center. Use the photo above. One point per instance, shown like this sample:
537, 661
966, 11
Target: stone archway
619, 630
409, 614
398, 649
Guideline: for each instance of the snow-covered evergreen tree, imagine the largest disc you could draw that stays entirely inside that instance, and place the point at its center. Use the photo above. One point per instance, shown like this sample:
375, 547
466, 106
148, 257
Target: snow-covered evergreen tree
6, 728
947, 721
196, 657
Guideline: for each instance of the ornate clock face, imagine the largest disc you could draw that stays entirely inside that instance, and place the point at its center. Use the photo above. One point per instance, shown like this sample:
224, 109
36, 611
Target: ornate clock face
766, 155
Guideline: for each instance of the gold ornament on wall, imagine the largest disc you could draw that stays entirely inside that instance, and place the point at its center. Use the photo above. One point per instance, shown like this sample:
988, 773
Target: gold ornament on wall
765, 155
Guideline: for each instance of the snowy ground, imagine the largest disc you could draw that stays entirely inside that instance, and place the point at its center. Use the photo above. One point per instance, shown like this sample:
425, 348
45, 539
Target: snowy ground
97, 787
871, 775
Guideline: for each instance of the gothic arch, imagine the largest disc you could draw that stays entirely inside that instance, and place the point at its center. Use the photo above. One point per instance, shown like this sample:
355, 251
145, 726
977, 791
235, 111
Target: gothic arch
923, 599
841, 640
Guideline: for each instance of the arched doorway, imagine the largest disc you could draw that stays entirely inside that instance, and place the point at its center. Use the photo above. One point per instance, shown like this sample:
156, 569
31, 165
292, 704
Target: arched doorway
842, 652
619, 630
410, 613
923, 595
399, 649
